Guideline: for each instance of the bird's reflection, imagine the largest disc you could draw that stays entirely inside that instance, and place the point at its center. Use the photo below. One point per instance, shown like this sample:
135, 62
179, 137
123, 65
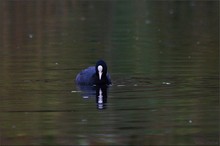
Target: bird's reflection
101, 97
101, 93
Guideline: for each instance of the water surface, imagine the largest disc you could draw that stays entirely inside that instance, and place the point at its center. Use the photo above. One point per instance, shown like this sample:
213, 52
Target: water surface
162, 56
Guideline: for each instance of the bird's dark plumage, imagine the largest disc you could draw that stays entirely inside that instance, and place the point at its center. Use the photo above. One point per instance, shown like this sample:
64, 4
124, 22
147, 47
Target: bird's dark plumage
90, 75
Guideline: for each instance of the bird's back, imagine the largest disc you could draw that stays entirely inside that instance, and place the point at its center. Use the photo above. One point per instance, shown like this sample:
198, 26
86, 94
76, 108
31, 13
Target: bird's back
86, 76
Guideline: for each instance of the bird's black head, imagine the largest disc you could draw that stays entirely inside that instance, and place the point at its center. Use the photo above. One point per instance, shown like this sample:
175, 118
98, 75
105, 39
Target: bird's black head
101, 67
101, 71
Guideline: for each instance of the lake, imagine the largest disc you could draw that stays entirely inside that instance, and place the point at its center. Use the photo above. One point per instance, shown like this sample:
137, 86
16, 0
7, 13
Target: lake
163, 58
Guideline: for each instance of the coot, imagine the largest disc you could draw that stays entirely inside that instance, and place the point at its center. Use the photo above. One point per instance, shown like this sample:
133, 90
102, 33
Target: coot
94, 75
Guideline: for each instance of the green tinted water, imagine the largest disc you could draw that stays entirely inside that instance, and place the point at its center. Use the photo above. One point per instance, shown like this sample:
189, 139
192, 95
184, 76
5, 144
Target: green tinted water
163, 60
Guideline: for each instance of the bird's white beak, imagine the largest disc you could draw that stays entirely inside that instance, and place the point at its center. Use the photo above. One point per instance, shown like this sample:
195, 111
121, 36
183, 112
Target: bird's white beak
100, 68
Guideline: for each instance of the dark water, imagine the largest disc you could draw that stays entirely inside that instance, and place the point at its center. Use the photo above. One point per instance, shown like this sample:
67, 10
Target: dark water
163, 58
